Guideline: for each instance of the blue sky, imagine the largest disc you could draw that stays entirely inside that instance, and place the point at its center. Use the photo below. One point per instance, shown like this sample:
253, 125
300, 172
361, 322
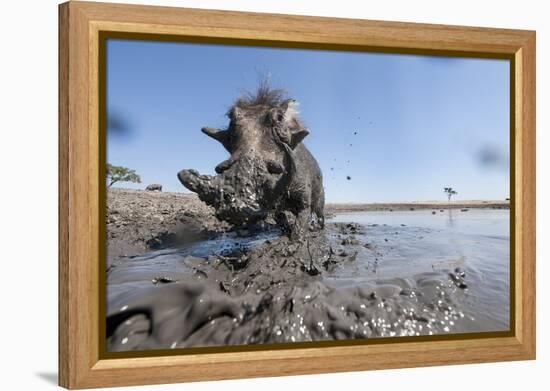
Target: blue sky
401, 126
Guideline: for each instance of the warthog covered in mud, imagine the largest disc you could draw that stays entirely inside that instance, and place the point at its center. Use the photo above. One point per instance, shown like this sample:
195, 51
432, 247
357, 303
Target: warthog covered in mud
270, 172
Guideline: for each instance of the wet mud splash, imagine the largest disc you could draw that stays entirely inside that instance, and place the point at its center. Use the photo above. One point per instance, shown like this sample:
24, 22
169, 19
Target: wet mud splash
349, 281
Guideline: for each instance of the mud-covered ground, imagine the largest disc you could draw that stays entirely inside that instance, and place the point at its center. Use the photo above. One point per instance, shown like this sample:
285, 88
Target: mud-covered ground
139, 221
209, 285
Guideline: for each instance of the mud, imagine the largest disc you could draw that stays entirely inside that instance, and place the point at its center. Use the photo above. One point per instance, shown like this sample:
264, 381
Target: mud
140, 221
178, 277
267, 289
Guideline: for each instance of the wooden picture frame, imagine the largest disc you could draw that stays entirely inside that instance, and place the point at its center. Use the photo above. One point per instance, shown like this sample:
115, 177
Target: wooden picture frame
82, 25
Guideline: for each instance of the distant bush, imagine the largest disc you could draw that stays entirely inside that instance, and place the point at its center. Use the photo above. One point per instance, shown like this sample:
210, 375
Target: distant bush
121, 174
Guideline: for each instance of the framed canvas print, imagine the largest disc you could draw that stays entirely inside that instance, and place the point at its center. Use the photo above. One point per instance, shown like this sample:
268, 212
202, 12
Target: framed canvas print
248, 195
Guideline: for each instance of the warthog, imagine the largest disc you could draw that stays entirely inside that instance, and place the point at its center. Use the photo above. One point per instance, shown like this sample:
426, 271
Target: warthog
154, 187
270, 172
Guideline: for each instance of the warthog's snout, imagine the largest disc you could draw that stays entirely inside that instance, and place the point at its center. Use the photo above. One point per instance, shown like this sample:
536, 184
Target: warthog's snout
185, 176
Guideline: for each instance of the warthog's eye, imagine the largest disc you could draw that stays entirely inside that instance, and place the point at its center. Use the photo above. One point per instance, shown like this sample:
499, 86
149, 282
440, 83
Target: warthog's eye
274, 168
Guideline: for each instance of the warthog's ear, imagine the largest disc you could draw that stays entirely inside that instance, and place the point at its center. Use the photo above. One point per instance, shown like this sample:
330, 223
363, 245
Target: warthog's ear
284, 119
220, 135
297, 136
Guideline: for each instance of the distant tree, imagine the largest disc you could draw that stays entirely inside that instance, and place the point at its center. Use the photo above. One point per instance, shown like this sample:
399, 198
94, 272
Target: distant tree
450, 192
121, 174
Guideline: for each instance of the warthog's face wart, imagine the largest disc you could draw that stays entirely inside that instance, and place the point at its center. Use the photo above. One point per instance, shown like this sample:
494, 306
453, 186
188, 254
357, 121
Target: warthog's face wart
262, 132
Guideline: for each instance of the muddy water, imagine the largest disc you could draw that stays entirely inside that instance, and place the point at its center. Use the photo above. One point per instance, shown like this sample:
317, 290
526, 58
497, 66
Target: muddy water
411, 242
368, 275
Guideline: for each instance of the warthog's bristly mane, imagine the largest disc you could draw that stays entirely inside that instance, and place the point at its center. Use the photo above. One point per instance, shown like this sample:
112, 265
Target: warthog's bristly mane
262, 99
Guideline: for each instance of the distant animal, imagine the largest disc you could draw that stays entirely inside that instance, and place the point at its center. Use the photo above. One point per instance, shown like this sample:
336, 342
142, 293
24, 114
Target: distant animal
154, 187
